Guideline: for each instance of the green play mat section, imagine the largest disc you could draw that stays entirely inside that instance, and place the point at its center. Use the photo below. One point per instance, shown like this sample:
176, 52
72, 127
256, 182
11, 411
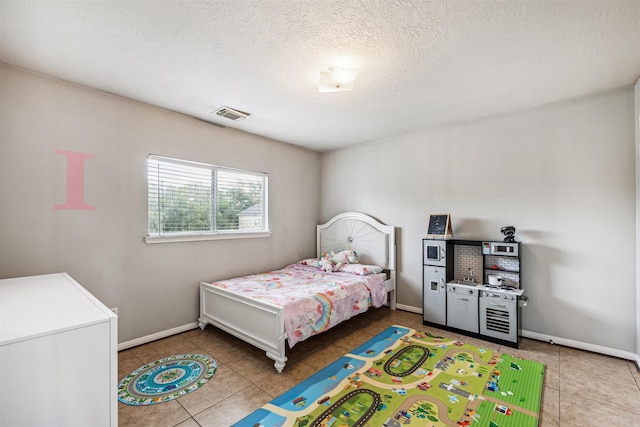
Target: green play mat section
408, 377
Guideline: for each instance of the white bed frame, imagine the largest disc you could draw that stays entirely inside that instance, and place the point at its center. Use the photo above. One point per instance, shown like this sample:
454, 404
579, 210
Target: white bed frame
262, 324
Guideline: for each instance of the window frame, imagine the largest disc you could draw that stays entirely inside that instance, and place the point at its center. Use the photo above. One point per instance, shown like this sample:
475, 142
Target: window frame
190, 236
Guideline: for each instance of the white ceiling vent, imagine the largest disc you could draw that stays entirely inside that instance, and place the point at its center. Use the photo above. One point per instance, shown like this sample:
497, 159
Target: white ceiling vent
231, 114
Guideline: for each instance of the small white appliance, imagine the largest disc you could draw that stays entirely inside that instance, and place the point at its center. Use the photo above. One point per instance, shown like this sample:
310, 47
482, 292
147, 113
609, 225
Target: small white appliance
500, 248
435, 252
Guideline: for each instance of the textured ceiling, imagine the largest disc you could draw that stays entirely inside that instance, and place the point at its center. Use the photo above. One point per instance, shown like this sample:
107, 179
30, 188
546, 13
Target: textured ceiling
421, 63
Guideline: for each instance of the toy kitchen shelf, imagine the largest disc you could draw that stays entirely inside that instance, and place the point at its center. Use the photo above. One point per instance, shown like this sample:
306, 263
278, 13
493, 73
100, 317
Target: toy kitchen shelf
501, 269
502, 265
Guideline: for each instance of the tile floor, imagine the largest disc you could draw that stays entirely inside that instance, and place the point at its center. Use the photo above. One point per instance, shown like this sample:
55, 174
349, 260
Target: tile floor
580, 389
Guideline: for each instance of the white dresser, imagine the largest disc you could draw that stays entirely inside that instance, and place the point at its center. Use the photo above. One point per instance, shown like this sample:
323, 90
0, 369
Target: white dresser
58, 354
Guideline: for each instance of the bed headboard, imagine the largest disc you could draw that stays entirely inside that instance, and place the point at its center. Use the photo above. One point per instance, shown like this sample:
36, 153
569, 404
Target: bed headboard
374, 242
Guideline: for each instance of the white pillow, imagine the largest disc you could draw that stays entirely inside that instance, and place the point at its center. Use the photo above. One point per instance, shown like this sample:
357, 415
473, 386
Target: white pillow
361, 269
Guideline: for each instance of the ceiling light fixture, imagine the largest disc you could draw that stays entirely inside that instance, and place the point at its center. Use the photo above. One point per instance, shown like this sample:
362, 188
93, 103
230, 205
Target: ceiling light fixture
337, 79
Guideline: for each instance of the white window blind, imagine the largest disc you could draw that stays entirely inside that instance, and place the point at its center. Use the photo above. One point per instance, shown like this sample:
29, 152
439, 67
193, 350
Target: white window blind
197, 198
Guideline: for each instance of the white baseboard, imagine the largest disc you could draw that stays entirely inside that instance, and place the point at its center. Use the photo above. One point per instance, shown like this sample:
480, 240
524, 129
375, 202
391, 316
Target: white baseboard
527, 334
557, 340
163, 334
581, 345
409, 308
157, 336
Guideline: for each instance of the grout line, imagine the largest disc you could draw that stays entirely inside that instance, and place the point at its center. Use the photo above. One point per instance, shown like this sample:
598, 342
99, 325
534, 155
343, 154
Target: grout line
226, 398
559, 386
188, 413
635, 377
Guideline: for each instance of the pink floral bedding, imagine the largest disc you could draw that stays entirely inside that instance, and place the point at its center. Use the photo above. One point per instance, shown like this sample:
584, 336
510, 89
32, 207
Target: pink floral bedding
313, 300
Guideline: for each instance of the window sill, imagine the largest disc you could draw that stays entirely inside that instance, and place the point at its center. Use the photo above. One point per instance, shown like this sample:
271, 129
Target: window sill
203, 237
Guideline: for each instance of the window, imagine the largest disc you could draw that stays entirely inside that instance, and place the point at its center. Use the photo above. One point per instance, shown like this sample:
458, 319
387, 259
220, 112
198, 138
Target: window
201, 200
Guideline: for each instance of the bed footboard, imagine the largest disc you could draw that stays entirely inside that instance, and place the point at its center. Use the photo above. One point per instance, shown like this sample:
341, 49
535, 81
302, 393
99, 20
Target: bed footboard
255, 322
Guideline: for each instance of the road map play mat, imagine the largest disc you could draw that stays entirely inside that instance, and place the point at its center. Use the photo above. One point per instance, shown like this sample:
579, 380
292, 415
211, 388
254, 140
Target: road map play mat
408, 377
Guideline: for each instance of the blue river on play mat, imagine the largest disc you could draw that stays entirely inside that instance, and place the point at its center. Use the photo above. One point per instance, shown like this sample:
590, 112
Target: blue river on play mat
321, 383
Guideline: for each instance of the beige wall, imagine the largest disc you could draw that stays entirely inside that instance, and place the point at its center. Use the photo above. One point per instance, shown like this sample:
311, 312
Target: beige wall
154, 286
637, 146
563, 174
557, 173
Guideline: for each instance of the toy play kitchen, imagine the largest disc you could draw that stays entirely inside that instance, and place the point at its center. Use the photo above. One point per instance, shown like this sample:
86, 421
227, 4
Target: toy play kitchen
474, 287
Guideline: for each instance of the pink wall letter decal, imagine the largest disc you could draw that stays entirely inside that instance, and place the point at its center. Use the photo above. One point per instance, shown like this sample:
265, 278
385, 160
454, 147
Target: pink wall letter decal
75, 181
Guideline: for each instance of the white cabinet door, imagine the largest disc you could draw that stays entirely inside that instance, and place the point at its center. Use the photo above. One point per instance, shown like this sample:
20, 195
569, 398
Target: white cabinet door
434, 303
462, 308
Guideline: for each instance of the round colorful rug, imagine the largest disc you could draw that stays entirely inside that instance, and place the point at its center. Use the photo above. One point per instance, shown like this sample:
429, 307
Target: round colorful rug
166, 379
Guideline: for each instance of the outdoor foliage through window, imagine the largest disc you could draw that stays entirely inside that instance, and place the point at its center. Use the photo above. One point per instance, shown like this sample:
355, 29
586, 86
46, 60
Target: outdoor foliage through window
196, 198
